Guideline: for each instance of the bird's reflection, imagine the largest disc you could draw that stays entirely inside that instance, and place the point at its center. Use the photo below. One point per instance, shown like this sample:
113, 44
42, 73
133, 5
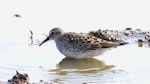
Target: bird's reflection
140, 44
144, 44
87, 65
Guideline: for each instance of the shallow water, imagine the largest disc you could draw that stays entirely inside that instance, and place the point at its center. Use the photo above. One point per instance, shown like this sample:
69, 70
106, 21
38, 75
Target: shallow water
128, 64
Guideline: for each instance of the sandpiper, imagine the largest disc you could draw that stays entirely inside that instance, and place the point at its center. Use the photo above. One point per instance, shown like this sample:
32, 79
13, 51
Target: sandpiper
77, 45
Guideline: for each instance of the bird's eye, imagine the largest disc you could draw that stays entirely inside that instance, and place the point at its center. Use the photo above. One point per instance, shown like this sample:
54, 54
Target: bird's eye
52, 33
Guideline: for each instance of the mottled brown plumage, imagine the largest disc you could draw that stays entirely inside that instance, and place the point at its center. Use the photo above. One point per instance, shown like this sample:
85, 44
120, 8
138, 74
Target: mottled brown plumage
78, 45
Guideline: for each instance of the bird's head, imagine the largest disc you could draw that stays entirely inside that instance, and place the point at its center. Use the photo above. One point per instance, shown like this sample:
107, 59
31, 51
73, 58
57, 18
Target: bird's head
53, 35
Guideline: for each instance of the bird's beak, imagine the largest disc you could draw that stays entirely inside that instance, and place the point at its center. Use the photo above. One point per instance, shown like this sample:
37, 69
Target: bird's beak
44, 41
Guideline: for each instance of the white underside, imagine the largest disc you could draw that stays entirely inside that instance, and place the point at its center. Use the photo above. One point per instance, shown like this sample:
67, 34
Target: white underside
89, 54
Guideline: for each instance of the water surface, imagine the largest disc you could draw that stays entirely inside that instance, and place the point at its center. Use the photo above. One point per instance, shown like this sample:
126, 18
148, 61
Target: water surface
128, 64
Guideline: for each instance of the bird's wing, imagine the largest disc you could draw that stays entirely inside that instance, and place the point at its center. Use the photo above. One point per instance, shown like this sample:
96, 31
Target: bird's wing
108, 44
88, 42
94, 43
